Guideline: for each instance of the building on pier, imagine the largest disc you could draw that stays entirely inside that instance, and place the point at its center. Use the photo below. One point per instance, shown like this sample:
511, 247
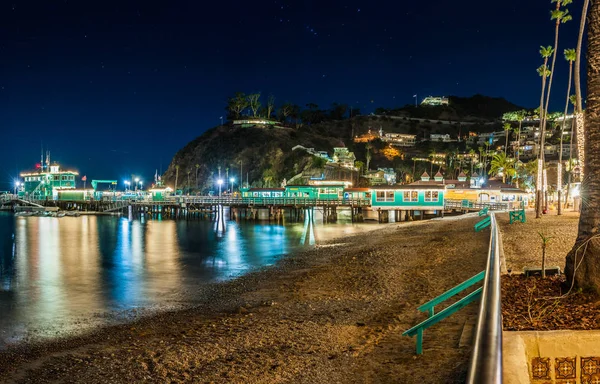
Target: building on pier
47, 180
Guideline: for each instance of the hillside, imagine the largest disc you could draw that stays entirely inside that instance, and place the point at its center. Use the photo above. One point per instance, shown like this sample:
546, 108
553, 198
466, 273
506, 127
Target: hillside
264, 154
266, 157
476, 108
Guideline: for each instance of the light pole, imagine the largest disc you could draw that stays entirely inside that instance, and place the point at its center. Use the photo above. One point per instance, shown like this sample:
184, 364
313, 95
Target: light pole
17, 185
137, 180
232, 180
220, 182
141, 183
127, 184
221, 121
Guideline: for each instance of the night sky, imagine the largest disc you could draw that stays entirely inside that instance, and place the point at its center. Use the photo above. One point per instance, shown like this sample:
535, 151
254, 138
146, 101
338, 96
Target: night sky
116, 88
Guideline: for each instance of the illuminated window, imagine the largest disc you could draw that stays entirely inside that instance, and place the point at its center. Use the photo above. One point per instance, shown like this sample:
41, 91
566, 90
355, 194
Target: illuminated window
411, 196
431, 196
387, 196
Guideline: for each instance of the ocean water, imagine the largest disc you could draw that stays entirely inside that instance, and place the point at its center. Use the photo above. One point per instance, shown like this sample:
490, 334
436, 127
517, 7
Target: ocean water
61, 276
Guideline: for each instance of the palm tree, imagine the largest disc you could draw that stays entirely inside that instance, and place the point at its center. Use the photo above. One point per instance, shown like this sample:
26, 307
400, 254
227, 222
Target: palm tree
188, 180
583, 261
570, 56
176, 176
544, 72
197, 168
561, 17
520, 115
502, 165
368, 155
472, 156
506, 133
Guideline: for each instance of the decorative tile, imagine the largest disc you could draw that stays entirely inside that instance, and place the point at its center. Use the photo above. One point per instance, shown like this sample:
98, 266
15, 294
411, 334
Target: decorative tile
540, 368
590, 370
568, 381
591, 379
564, 367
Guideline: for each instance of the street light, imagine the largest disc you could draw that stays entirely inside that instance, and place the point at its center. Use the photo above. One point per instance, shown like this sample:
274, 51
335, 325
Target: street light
127, 183
137, 180
141, 183
17, 185
220, 182
232, 180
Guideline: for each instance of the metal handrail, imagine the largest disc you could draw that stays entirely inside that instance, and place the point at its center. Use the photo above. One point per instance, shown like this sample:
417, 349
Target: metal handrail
486, 360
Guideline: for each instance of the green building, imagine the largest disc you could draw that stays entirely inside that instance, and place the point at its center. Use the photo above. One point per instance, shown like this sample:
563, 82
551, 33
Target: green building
45, 182
408, 197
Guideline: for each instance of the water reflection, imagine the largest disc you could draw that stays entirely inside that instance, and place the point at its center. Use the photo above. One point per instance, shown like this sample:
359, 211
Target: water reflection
66, 274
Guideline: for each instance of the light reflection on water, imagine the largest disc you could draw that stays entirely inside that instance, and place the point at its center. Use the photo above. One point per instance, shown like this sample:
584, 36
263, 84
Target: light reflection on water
68, 274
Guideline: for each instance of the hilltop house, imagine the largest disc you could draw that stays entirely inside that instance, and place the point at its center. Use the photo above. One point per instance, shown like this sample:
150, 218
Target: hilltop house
343, 157
399, 139
440, 137
435, 100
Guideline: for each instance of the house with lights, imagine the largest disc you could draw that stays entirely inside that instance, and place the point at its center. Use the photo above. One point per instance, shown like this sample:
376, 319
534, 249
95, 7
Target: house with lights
435, 100
343, 157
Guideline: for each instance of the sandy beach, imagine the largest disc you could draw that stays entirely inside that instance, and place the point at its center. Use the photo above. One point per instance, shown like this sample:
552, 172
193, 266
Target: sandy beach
334, 313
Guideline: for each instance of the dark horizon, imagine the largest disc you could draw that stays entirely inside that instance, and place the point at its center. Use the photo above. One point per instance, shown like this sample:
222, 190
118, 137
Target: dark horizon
114, 90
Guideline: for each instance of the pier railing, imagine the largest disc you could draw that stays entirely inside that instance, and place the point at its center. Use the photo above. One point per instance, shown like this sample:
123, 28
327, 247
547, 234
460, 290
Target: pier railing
257, 201
476, 206
486, 360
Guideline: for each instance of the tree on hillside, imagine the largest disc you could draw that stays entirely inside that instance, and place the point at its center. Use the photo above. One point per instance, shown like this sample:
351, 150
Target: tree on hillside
254, 103
338, 111
295, 113
570, 56
284, 111
237, 104
270, 106
368, 155
176, 176
503, 166
583, 261
544, 72
197, 166
507, 130
360, 166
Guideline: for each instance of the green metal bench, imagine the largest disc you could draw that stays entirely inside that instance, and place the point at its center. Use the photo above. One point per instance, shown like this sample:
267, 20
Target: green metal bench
483, 224
515, 216
437, 317
484, 211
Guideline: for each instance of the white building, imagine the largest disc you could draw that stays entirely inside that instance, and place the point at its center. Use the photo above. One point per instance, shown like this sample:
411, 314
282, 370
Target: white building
440, 137
399, 139
435, 100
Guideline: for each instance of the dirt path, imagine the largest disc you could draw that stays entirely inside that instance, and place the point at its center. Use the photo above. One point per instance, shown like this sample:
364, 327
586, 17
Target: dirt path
334, 314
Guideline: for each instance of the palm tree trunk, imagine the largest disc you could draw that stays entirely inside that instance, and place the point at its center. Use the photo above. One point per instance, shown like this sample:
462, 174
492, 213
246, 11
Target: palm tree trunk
519, 140
538, 184
506, 142
543, 130
562, 131
570, 161
579, 105
587, 275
